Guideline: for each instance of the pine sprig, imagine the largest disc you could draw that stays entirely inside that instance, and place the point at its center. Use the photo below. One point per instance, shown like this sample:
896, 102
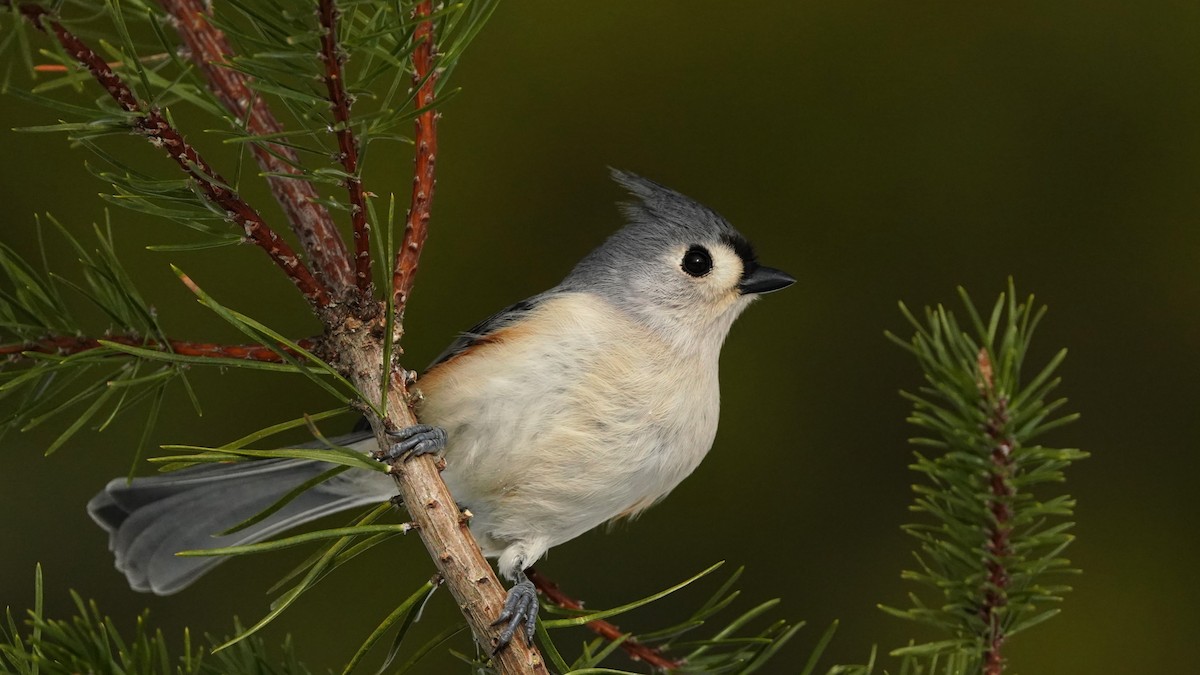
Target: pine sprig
52, 369
727, 648
56, 363
991, 539
90, 642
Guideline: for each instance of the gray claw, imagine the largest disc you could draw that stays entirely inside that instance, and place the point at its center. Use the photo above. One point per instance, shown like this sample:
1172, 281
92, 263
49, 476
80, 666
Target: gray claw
414, 441
520, 607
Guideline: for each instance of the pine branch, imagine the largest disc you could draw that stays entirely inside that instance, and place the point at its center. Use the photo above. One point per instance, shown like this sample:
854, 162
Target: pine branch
210, 49
727, 650
339, 103
151, 124
989, 543
361, 344
91, 642
636, 650
359, 335
443, 528
63, 345
416, 227
1000, 529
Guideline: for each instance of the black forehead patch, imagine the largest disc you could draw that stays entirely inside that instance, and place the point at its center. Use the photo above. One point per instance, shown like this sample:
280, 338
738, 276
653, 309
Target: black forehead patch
743, 248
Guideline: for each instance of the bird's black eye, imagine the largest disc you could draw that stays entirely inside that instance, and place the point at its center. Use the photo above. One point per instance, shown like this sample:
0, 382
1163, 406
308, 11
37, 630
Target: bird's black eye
697, 262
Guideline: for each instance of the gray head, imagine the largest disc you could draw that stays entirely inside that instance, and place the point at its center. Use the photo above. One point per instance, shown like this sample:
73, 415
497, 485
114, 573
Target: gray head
677, 265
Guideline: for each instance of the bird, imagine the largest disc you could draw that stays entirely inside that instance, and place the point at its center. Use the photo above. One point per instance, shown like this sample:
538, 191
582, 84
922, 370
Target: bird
578, 406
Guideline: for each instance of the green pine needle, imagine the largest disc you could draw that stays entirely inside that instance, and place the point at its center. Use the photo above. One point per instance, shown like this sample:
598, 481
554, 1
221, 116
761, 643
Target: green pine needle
992, 530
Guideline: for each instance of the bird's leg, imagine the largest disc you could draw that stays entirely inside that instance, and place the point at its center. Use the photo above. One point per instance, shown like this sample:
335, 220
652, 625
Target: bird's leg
520, 607
414, 441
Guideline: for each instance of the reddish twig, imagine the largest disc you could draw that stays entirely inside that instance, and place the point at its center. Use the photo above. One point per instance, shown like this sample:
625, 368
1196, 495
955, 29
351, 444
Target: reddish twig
67, 345
416, 226
152, 125
210, 49
999, 532
339, 104
636, 650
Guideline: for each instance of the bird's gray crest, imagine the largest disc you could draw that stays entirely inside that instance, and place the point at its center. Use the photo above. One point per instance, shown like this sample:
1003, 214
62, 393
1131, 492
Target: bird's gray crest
659, 206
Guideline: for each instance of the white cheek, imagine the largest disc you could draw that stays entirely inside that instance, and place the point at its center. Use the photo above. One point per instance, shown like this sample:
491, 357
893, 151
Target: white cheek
725, 274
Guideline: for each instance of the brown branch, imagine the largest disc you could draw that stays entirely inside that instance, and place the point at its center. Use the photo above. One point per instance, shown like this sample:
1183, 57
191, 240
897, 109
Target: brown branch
152, 125
64, 345
416, 226
339, 104
636, 650
999, 548
356, 348
210, 49
355, 344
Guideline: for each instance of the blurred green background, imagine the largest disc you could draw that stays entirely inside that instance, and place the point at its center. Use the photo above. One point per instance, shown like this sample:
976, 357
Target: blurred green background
879, 151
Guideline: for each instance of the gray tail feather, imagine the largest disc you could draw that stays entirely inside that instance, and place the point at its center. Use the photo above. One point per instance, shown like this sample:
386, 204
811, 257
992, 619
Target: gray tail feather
151, 519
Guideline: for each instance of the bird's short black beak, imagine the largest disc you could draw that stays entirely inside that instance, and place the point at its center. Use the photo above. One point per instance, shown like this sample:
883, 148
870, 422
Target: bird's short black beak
764, 280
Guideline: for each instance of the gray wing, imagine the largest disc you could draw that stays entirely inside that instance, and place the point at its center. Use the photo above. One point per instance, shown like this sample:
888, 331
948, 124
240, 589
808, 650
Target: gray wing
480, 331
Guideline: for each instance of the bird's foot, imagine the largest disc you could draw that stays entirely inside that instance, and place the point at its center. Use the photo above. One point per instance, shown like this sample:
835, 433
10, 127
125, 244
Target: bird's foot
520, 607
414, 441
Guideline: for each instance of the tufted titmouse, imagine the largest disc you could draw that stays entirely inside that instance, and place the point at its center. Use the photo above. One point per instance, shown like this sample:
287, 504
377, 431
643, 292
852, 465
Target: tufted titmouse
585, 403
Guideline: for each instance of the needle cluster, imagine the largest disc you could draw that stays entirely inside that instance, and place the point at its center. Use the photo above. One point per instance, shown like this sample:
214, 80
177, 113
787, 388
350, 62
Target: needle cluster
993, 524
